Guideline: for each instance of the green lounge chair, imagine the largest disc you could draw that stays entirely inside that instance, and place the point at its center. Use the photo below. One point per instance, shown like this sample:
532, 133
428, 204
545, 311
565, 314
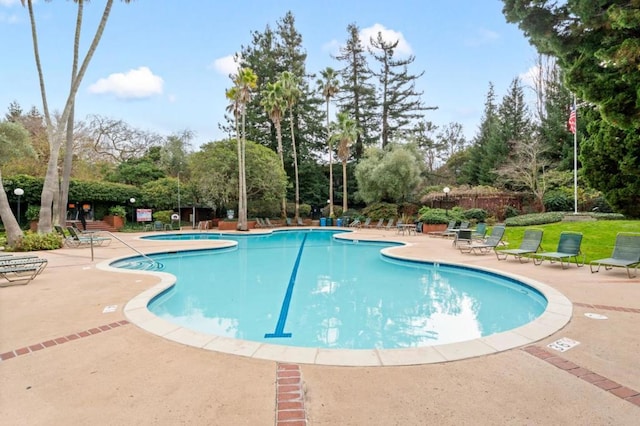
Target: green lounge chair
380, 224
87, 240
626, 253
450, 228
531, 243
497, 232
480, 231
568, 248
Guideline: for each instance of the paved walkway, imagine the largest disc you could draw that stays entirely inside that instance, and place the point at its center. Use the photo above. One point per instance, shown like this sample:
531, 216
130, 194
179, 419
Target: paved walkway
64, 360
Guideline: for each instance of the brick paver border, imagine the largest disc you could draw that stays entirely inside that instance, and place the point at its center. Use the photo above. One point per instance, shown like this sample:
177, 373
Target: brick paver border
60, 340
585, 374
290, 410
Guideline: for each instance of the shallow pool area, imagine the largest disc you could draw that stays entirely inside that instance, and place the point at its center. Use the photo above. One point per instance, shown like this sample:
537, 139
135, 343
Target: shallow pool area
328, 300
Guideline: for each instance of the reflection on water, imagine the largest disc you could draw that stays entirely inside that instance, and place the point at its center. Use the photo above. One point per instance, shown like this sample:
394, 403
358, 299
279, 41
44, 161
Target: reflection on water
345, 296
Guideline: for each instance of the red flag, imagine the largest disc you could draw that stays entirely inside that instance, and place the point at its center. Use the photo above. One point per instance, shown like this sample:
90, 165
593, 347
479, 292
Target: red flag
571, 124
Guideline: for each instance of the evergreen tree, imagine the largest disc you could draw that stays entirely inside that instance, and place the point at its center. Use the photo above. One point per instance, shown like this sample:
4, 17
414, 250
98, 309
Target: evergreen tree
400, 104
357, 94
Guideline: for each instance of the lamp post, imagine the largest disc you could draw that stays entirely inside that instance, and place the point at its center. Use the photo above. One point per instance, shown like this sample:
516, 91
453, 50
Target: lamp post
132, 201
446, 191
179, 212
18, 192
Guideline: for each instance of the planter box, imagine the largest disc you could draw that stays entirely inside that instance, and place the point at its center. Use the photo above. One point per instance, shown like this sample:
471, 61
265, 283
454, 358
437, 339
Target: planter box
433, 227
232, 226
115, 221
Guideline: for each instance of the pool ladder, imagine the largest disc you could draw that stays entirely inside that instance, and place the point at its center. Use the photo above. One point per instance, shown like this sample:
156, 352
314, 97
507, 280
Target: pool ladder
153, 264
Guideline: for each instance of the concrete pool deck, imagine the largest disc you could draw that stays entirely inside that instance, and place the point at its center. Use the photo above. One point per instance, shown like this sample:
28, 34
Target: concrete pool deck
66, 361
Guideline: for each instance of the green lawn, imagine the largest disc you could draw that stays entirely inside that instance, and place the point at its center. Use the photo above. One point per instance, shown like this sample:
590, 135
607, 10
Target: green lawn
598, 236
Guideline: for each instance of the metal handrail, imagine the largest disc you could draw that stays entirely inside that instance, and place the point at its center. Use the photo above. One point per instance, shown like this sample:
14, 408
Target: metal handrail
160, 265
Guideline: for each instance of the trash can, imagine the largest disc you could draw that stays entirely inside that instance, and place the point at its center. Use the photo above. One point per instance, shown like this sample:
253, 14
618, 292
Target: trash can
323, 221
339, 222
329, 221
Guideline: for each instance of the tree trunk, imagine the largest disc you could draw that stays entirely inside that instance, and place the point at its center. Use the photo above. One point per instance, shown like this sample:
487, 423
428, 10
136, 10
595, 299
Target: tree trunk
295, 164
283, 211
344, 186
14, 233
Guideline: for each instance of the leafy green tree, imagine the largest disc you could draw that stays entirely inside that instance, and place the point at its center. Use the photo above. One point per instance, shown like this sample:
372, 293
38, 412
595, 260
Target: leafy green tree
161, 194
174, 152
400, 104
389, 175
214, 171
136, 171
345, 133
55, 135
357, 93
329, 85
14, 142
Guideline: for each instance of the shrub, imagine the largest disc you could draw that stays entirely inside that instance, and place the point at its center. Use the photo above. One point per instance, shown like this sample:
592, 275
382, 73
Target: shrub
433, 216
608, 216
510, 211
534, 219
163, 216
379, 211
478, 215
32, 213
118, 211
557, 200
32, 241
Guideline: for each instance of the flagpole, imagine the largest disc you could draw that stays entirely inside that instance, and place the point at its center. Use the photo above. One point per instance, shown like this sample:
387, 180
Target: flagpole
575, 159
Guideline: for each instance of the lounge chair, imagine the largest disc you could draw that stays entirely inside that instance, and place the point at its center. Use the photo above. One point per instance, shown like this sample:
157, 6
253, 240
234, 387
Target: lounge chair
626, 253
268, 223
450, 227
16, 269
288, 221
489, 244
390, 224
531, 243
380, 224
480, 231
260, 223
568, 248
86, 241
366, 224
355, 224
300, 222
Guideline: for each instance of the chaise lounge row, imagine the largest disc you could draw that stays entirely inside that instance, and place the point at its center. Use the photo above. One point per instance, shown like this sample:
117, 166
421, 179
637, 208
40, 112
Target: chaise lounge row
626, 250
20, 269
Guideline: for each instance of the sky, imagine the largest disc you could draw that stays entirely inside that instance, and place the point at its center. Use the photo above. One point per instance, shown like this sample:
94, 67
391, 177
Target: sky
163, 65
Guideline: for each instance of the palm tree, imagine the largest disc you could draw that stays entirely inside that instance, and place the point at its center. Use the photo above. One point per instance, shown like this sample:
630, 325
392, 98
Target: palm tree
291, 91
54, 135
240, 95
345, 132
275, 106
329, 85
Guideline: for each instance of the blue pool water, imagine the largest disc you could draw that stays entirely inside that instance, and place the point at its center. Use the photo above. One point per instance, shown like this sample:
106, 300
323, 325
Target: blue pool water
306, 288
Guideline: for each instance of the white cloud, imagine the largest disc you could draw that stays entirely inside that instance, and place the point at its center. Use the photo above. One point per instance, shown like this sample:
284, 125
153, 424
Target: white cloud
8, 3
134, 84
172, 98
333, 47
530, 76
388, 35
225, 65
482, 36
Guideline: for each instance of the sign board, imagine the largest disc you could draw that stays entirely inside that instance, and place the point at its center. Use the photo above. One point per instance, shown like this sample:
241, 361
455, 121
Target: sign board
143, 215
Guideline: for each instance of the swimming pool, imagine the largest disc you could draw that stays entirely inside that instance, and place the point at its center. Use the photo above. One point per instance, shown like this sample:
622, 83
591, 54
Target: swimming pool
310, 290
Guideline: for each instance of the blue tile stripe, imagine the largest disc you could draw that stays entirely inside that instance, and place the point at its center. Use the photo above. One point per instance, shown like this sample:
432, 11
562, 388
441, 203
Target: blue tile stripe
286, 302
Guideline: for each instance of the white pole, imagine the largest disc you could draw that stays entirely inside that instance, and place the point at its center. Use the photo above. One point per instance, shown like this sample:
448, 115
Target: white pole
575, 159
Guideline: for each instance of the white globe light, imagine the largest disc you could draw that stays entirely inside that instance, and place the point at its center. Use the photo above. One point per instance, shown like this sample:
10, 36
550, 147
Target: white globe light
132, 200
18, 191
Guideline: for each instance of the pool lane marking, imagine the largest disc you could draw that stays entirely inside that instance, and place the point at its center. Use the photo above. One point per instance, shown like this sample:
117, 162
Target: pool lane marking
286, 302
